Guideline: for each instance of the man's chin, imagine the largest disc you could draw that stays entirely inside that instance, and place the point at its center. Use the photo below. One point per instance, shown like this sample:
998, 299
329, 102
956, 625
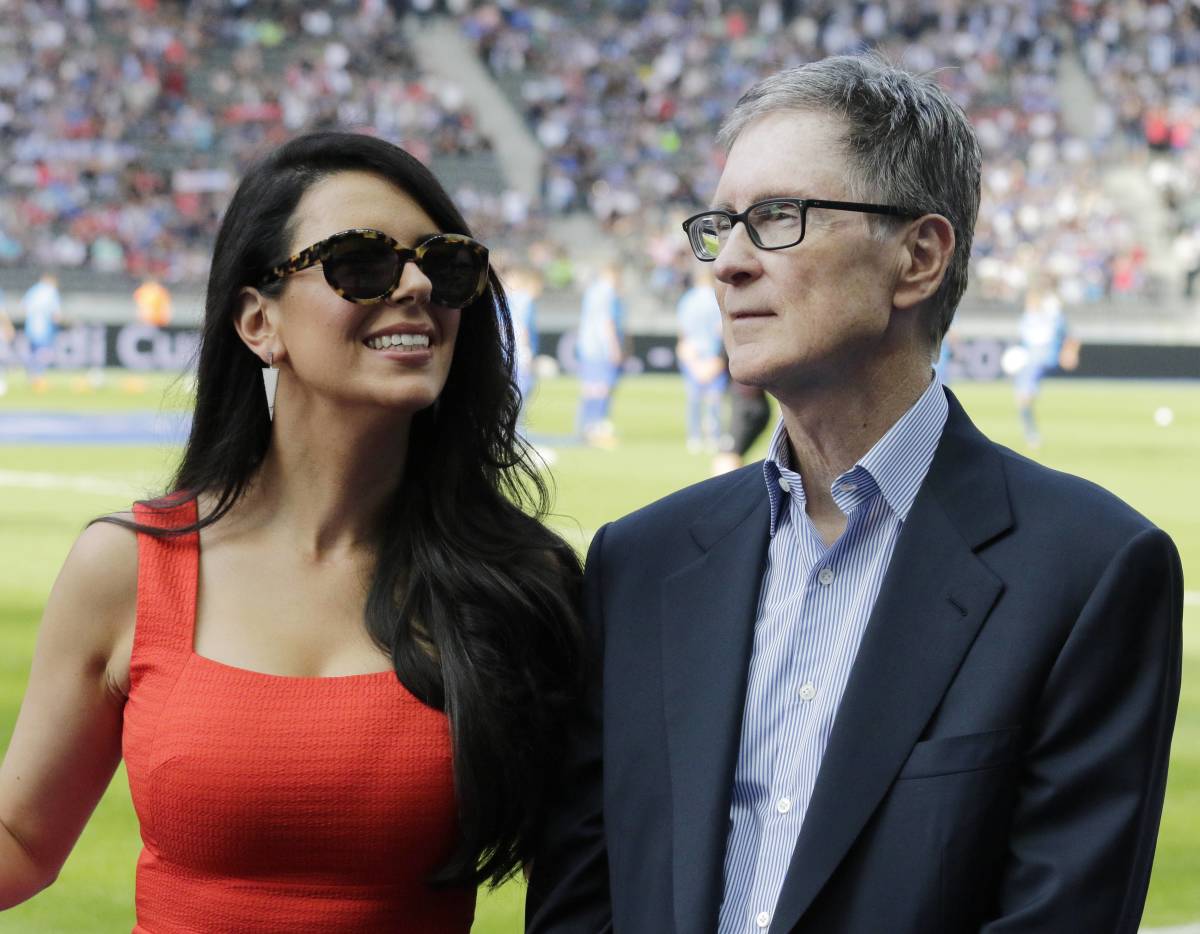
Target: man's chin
752, 371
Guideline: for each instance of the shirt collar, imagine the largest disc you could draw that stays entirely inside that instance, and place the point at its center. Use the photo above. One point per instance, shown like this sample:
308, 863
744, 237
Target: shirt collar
896, 464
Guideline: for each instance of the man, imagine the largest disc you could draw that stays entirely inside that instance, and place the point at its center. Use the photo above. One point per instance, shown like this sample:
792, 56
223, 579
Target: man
152, 301
896, 678
41, 306
702, 360
1044, 348
7, 335
524, 289
598, 347
749, 416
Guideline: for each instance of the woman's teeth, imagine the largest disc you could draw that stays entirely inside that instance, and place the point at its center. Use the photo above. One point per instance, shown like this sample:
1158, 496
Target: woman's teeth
407, 341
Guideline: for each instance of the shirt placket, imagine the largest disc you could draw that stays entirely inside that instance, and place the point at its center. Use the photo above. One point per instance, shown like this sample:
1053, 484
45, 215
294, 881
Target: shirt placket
782, 810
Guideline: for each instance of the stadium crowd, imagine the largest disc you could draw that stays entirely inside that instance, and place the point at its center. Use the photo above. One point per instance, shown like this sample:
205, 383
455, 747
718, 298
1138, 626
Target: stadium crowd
125, 121
635, 145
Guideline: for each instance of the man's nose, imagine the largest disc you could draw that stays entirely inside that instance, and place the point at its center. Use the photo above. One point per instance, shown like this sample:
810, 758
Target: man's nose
739, 259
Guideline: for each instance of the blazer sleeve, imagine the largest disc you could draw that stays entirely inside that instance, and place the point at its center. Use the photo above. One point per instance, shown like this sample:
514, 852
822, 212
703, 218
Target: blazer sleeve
1088, 807
568, 884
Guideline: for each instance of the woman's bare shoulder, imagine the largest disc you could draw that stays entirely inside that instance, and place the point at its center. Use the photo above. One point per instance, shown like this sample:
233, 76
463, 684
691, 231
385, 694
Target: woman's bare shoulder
106, 549
96, 589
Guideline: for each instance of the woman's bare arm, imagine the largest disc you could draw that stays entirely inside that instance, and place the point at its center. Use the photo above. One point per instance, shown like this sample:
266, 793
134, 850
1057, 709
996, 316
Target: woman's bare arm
67, 740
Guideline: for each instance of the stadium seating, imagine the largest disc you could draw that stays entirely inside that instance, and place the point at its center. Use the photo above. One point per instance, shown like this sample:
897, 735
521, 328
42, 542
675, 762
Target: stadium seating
1067, 180
126, 122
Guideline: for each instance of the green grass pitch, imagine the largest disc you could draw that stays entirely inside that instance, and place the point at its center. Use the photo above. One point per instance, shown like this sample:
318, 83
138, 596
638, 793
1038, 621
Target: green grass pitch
1103, 431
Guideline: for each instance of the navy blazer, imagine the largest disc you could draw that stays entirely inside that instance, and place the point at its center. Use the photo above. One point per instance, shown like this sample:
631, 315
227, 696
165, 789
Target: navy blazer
999, 757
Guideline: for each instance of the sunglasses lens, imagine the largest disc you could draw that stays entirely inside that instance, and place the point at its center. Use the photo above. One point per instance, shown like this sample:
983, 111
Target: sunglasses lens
362, 269
456, 270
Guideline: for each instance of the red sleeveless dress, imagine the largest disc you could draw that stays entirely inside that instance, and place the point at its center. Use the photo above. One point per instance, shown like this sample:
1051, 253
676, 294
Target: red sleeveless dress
271, 803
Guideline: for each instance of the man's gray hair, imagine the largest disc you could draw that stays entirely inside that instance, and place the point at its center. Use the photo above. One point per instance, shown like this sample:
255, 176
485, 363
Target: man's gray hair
909, 145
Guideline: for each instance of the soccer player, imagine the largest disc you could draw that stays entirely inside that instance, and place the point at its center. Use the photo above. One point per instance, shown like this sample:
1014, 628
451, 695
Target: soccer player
7, 335
701, 360
1043, 331
42, 307
599, 350
524, 287
152, 300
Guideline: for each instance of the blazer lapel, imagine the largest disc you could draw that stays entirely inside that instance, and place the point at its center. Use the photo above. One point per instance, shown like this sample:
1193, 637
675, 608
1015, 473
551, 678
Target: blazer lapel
708, 614
936, 595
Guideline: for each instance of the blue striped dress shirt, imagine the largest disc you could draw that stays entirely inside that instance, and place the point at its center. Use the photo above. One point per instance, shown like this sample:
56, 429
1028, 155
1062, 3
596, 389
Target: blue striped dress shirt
813, 607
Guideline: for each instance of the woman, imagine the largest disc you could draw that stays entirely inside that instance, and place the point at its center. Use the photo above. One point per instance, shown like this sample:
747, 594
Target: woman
292, 768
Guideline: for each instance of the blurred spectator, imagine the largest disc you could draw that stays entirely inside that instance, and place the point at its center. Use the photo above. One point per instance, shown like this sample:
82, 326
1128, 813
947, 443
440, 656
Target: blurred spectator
1186, 247
153, 303
125, 121
634, 144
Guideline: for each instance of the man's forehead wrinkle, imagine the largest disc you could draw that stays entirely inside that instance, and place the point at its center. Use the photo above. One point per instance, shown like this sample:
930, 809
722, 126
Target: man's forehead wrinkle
786, 154
765, 195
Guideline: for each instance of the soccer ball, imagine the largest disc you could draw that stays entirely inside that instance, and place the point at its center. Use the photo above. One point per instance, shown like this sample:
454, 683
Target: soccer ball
1013, 360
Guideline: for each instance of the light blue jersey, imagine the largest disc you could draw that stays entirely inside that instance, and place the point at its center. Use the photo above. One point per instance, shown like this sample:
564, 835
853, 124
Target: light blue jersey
601, 304
1043, 329
42, 305
700, 321
521, 307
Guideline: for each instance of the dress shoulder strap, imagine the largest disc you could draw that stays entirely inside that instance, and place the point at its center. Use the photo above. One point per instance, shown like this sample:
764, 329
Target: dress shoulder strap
168, 577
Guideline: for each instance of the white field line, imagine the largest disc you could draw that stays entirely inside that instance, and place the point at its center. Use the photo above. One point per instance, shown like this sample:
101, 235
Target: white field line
1182, 929
75, 483
1192, 598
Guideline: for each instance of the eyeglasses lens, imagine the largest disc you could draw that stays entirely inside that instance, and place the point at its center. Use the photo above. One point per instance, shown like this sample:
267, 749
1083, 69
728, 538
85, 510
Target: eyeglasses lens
709, 234
362, 269
777, 223
454, 270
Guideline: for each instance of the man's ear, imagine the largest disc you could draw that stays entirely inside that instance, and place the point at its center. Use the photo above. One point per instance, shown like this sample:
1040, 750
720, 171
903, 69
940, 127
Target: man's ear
927, 249
255, 325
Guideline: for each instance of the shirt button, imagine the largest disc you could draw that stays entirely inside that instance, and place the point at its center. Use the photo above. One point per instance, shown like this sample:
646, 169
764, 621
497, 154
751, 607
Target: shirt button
783, 805
807, 691
763, 919
825, 577
783, 485
849, 487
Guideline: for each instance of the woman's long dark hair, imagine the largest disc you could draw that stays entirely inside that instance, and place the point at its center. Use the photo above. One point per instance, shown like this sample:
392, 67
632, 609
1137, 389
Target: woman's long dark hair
473, 597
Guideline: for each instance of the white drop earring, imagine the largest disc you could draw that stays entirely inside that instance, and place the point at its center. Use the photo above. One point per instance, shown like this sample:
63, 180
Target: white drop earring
270, 383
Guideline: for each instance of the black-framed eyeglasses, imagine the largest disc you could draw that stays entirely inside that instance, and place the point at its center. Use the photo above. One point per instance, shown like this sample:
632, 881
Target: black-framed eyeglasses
774, 224
364, 266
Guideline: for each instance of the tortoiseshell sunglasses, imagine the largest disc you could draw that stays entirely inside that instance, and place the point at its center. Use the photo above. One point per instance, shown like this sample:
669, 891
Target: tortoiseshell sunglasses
364, 266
